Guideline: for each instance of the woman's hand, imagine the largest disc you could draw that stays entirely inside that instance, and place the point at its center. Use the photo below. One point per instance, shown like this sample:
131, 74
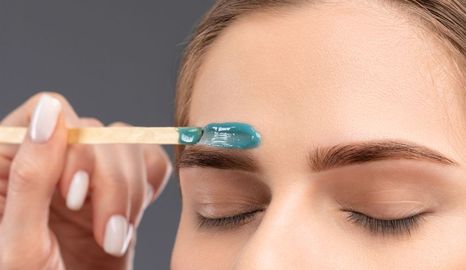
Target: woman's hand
106, 186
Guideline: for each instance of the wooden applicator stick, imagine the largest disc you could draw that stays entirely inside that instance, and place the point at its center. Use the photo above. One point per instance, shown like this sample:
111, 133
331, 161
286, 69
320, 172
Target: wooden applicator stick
104, 135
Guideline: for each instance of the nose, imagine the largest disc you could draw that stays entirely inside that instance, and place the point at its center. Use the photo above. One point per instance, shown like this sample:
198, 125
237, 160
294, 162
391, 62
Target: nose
288, 237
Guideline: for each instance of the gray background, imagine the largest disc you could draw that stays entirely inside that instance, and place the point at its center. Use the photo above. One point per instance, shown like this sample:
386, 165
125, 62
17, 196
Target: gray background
113, 60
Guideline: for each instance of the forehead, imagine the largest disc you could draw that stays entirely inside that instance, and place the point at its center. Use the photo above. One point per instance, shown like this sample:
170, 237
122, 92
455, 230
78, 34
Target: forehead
329, 73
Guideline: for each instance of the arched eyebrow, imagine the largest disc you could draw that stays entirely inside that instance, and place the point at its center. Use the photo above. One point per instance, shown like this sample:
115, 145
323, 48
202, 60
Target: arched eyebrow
320, 158
325, 158
219, 158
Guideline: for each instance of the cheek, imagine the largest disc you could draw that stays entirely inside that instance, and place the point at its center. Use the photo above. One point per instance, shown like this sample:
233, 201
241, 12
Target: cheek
444, 243
441, 244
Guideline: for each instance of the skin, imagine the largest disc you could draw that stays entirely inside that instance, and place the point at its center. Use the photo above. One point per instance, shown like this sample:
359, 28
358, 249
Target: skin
313, 77
37, 230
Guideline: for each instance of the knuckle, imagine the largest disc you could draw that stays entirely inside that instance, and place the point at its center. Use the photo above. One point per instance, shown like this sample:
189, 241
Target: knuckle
10, 259
114, 188
12, 256
22, 172
115, 181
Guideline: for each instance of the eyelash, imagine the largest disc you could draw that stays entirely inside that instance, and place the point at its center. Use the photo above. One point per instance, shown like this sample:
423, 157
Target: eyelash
228, 222
392, 227
376, 226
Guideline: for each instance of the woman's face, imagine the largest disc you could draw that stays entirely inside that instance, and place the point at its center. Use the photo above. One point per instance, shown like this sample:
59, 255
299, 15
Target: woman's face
362, 161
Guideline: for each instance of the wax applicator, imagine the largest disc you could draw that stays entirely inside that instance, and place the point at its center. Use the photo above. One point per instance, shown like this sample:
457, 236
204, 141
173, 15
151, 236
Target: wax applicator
226, 135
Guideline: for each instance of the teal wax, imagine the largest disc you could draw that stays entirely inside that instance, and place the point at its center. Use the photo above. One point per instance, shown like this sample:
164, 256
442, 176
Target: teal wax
225, 135
189, 135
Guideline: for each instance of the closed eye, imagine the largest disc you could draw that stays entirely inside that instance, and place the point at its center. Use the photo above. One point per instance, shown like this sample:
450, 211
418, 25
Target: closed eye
399, 226
227, 222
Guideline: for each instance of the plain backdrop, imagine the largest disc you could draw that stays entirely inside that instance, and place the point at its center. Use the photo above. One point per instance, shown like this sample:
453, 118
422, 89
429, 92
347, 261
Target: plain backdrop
113, 60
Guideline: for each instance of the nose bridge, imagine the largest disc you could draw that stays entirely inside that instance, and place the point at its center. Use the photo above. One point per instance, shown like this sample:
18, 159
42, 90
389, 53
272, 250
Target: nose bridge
286, 237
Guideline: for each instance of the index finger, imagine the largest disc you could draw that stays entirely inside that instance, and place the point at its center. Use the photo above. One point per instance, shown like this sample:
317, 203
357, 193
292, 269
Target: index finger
21, 116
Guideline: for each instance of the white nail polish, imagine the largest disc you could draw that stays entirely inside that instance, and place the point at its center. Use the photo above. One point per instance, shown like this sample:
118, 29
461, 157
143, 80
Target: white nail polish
44, 119
116, 234
129, 237
78, 190
149, 195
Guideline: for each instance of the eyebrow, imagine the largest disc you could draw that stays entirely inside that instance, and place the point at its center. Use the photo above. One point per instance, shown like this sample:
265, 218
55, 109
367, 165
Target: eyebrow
319, 159
325, 158
219, 158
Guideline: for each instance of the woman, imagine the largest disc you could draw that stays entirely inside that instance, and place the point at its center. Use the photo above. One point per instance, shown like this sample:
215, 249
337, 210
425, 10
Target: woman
362, 164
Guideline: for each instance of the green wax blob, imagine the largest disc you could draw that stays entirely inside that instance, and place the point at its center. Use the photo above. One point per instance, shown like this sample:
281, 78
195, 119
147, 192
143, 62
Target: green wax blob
230, 135
189, 135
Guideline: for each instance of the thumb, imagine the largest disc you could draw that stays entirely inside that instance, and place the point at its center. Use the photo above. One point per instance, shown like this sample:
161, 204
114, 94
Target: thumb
34, 174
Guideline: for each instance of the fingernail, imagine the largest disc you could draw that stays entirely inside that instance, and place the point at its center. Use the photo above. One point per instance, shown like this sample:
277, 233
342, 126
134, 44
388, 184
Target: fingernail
78, 190
149, 195
44, 119
129, 237
116, 234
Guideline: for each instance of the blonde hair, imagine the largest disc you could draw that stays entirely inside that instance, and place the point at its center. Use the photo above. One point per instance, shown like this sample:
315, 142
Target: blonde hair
446, 18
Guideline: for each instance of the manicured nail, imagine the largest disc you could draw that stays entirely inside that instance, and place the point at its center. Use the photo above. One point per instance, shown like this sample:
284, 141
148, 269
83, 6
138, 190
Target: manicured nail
129, 237
78, 190
44, 119
116, 234
149, 195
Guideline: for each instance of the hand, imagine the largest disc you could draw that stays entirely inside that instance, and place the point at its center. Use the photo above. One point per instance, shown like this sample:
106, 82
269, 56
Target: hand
72, 206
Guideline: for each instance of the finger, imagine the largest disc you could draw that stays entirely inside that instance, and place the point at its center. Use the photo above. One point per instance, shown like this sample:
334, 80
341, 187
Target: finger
34, 174
158, 167
78, 170
111, 200
159, 170
21, 117
79, 158
137, 178
90, 122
